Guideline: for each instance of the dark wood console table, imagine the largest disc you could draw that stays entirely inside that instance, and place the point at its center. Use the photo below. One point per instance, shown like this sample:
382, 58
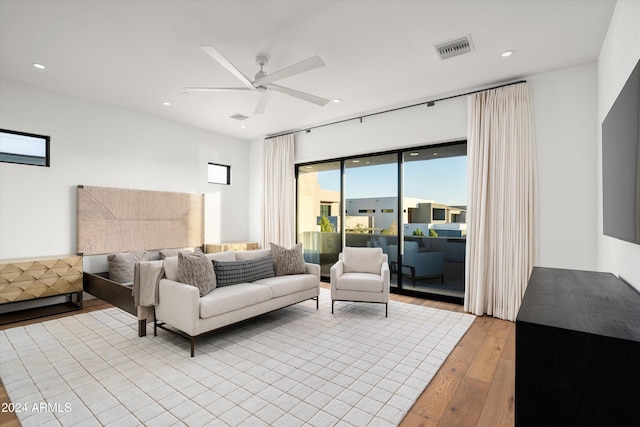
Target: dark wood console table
577, 350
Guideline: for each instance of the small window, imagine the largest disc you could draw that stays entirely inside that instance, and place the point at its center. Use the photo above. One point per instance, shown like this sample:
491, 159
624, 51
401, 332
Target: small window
366, 211
439, 214
325, 210
388, 211
219, 174
24, 148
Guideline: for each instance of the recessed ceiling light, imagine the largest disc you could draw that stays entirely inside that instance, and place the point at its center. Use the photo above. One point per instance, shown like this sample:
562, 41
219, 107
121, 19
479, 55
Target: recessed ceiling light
39, 66
337, 100
243, 126
355, 161
414, 154
507, 53
166, 104
435, 154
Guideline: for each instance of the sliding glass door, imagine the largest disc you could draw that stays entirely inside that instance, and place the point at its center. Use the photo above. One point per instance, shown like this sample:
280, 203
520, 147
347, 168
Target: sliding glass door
371, 200
435, 199
319, 213
411, 203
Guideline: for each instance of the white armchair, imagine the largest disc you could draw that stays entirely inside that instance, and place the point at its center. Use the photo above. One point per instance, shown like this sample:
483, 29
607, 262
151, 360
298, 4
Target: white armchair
361, 275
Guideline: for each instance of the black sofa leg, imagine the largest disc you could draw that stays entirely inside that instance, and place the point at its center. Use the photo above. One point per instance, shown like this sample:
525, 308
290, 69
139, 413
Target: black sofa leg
142, 327
193, 346
386, 310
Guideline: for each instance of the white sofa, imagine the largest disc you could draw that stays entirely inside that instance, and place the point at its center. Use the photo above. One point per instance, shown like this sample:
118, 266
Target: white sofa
181, 306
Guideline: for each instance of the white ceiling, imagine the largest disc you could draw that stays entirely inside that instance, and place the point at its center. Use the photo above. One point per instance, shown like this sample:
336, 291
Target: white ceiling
379, 54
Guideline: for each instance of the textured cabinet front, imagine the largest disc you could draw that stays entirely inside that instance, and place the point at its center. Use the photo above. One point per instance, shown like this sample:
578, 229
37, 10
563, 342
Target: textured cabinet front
577, 351
26, 279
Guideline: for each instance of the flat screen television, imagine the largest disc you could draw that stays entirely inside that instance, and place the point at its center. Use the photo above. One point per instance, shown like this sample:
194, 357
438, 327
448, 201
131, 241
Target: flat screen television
621, 163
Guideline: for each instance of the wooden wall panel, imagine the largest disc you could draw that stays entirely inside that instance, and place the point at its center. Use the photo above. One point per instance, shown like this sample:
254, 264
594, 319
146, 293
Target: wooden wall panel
120, 220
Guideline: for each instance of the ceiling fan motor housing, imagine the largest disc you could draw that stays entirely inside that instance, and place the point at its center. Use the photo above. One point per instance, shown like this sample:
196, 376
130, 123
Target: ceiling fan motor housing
261, 60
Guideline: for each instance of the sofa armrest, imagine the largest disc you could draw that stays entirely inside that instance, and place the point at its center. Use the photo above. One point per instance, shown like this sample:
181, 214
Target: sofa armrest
179, 306
313, 269
385, 273
337, 270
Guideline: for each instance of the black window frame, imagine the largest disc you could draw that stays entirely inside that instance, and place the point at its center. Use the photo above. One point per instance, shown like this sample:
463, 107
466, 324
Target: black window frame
21, 159
228, 174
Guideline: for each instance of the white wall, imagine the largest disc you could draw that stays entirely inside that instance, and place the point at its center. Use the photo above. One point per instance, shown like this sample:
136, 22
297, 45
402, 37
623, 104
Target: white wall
619, 54
564, 103
256, 167
100, 145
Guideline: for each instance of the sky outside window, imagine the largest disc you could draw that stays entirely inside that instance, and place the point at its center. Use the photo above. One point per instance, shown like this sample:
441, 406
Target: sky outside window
443, 180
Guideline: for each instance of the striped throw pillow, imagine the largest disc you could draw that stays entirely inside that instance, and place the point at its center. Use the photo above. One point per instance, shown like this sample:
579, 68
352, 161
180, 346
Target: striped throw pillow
233, 272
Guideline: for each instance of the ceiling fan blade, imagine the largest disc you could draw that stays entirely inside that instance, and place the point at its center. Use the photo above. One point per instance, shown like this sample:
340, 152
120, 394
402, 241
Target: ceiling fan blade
301, 95
215, 89
262, 104
215, 54
302, 66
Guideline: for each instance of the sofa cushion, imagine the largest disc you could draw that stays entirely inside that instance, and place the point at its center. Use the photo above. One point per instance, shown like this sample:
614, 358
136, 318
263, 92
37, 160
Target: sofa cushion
222, 256
286, 285
362, 260
246, 255
365, 282
121, 265
288, 261
196, 270
234, 272
231, 298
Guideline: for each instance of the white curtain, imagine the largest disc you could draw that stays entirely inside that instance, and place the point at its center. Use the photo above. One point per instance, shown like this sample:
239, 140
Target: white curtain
501, 212
278, 195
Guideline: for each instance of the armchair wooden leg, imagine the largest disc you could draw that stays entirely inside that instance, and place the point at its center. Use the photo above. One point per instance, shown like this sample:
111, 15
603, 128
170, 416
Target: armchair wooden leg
386, 309
332, 301
193, 346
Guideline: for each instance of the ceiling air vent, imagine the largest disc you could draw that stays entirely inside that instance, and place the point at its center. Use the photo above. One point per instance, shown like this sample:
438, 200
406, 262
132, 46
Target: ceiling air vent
455, 47
239, 116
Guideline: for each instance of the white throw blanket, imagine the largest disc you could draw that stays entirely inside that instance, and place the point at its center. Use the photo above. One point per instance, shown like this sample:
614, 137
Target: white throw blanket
147, 275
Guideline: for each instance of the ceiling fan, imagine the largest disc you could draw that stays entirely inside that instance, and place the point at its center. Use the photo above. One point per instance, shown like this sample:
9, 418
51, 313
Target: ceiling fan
263, 82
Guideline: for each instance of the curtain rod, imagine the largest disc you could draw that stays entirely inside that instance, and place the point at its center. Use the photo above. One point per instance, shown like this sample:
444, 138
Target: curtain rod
428, 103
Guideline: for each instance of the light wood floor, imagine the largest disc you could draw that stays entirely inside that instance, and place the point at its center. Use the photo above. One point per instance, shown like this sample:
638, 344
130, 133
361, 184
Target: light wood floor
474, 387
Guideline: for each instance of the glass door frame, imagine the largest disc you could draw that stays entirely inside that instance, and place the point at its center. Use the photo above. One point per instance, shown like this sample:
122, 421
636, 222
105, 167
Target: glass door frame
399, 289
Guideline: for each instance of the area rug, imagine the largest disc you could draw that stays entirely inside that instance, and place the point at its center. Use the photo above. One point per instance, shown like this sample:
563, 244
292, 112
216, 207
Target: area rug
296, 366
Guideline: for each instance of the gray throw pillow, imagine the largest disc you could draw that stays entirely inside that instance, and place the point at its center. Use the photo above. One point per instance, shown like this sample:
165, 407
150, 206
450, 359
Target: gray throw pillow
259, 268
196, 270
288, 261
233, 272
228, 272
121, 265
